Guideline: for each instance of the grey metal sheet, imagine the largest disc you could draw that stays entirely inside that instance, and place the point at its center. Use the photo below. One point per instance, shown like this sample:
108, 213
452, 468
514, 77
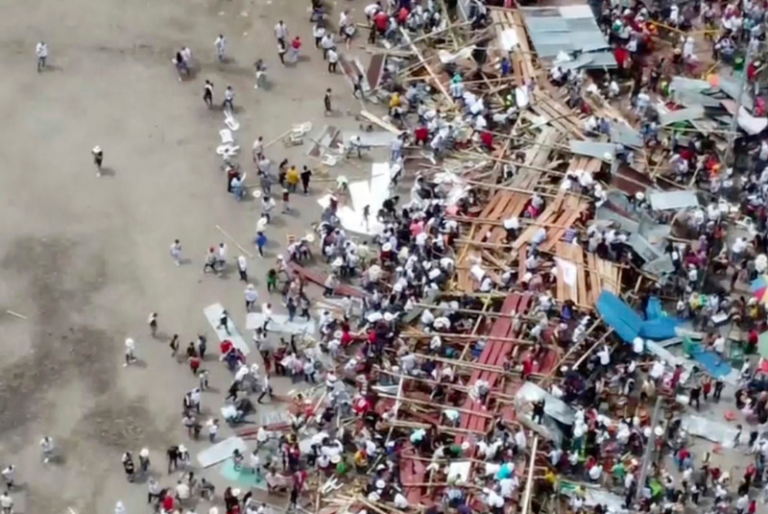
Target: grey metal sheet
605, 214
582, 25
537, 25
553, 406
730, 86
679, 83
714, 431
643, 248
692, 98
659, 266
673, 200
691, 113
594, 149
626, 135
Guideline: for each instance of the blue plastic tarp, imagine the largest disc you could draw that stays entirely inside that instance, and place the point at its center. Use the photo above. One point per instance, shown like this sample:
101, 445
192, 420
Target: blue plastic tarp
628, 324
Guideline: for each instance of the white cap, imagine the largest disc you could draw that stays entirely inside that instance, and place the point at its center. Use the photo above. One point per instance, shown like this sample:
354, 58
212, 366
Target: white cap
182, 448
236, 492
97, 149
144, 452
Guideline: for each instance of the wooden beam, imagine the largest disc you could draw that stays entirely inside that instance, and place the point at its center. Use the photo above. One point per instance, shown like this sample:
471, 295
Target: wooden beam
438, 82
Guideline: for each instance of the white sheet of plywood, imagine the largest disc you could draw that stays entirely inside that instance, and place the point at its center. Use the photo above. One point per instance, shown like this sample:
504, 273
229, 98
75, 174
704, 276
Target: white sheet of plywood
212, 314
220, 452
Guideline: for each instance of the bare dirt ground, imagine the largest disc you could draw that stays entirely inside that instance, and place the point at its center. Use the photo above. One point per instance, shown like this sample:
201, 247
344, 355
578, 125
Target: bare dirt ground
85, 259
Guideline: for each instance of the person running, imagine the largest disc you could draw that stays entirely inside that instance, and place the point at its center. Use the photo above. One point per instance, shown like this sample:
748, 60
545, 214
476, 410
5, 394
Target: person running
176, 252
152, 322
208, 93
221, 46
327, 102
306, 174
42, 55
229, 99
242, 268
98, 158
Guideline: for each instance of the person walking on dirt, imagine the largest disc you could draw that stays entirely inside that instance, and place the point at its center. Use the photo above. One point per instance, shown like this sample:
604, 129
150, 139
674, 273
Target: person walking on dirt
208, 93
306, 174
221, 46
176, 252
98, 159
42, 55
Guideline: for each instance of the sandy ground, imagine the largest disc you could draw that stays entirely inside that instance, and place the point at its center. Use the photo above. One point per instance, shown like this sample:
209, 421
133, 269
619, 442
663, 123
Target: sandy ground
85, 259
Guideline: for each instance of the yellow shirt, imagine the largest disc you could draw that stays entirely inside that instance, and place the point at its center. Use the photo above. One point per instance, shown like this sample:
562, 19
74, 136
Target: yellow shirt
292, 176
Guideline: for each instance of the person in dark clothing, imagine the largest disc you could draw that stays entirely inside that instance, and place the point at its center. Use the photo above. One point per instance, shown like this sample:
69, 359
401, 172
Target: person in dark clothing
306, 174
173, 458
538, 411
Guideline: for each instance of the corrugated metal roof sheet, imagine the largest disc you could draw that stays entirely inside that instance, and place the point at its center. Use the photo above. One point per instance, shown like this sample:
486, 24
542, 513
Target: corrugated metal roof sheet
673, 200
567, 29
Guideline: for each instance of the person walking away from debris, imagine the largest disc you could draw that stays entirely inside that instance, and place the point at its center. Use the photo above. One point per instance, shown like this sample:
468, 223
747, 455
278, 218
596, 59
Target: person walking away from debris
238, 186
258, 149
271, 280
261, 73
212, 426
98, 158
6, 503
221, 258
221, 46
333, 60
41, 50
327, 102
152, 322
224, 322
242, 268
46, 444
210, 260
293, 57
318, 32
251, 295
267, 204
128, 466
266, 389
229, 99
306, 174
181, 65
130, 352
327, 44
291, 306
176, 252
173, 459
202, 345
396, 148
261, 242
8, 475
286, 201
292, 178
330, 284
144, 461
282, 49
281, 32
174, 344
357, 87
208, 93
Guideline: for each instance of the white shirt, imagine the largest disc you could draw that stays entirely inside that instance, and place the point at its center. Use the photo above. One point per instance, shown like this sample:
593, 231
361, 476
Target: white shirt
281, 31
251, 295
220, 43
242, 264
333, 57
42, 51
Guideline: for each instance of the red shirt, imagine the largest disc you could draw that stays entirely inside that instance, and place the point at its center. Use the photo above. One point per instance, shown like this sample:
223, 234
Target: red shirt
168, 503
382, 21
487, 139
421, 134
296, 44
